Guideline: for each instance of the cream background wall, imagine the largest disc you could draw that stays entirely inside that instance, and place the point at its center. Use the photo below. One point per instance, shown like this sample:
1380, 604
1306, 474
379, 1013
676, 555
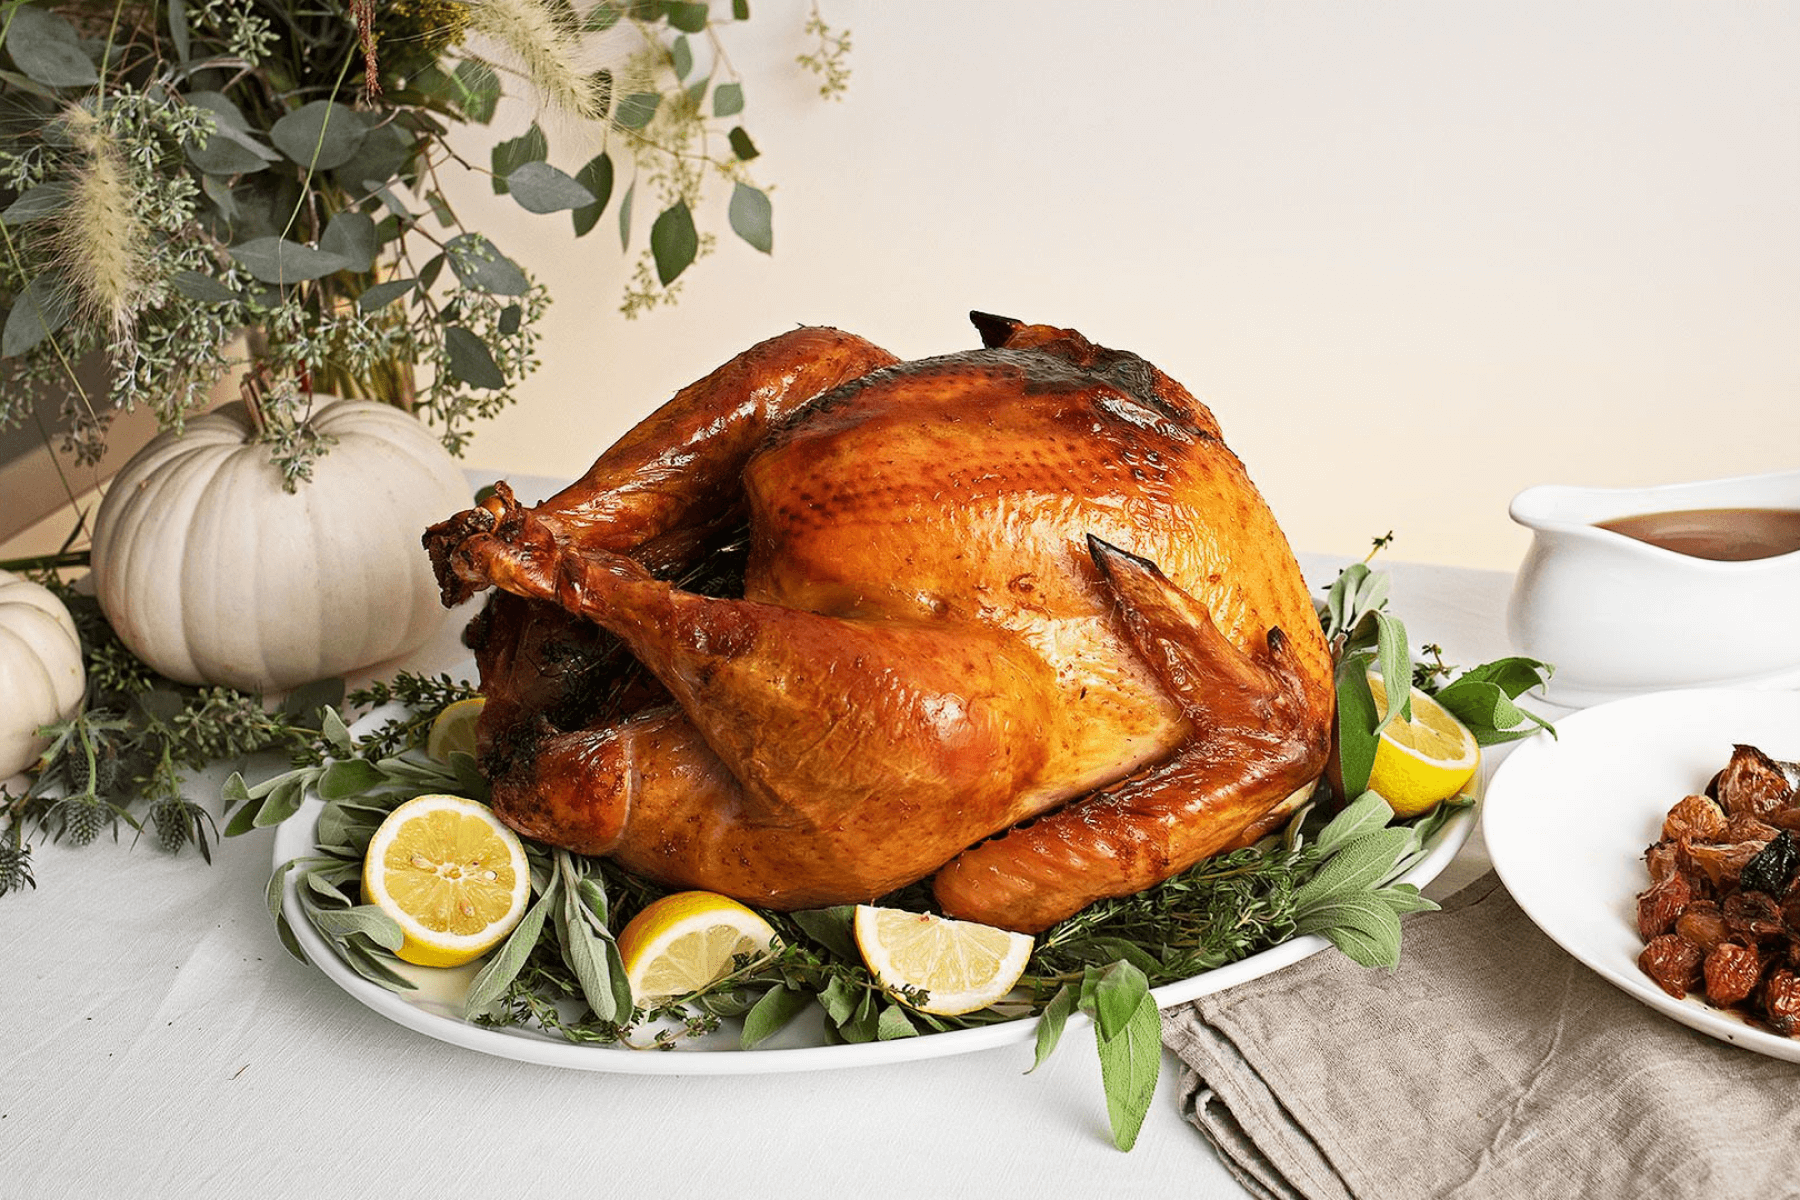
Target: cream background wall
1416, 255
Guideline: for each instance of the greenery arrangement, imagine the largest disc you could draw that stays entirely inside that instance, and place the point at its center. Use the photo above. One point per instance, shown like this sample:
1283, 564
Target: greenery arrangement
176, 172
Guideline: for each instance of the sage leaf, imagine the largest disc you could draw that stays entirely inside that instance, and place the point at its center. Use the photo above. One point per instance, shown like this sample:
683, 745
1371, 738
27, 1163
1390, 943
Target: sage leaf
480, 266
864, 1024
1051, 1023
1361, 864
321, 135
348, 777
771, 1014
1128, 1036
509, 960
728, 100
673, 241
384, 294
281, 803
749, 215
597, 178
541, 188
1363, 926
1367, 814
48, 49
365, 919
831, 928
585, 954
364, 961
277, 260
839, 1000
893, 1023
1356, 720
1394, 663
470, 359
39, 310
335, 732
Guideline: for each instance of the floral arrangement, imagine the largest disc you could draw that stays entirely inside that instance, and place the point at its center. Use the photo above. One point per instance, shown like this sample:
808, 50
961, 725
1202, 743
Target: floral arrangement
176, 172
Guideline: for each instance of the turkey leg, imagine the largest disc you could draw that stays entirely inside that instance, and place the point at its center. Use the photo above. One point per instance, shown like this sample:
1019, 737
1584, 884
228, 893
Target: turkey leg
1258, 739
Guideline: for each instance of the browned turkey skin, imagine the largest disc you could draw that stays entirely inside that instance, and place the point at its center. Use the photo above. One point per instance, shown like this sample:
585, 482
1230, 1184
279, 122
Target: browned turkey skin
1015, 616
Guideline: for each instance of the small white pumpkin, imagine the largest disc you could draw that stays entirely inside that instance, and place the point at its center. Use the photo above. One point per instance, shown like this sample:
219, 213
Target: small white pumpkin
212, 573
41, 677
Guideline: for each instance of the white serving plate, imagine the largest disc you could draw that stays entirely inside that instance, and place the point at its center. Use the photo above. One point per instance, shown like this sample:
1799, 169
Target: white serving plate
1567, 819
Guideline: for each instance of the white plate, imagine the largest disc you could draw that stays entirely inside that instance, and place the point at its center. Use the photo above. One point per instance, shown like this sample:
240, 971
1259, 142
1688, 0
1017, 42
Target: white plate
436, 1008
1567, 821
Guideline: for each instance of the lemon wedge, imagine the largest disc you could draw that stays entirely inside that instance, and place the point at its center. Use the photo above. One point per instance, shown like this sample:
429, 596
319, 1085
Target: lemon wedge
684, 942
454, 729
451, 874
1422, 762
960, 965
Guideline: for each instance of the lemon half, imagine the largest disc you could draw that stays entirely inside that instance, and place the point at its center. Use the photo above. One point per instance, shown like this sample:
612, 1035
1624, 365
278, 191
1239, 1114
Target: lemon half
961, 965
454, 729
1422, 762
451, 874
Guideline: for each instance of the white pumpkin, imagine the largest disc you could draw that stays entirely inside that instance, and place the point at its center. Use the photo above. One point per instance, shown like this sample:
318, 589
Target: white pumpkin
41, 677
212, 573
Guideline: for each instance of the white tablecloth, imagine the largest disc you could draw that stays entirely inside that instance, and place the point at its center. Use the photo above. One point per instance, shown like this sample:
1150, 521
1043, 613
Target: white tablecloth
160, 1042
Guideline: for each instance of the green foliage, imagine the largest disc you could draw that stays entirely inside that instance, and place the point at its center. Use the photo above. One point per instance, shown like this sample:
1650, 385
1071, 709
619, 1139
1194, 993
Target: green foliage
193, 171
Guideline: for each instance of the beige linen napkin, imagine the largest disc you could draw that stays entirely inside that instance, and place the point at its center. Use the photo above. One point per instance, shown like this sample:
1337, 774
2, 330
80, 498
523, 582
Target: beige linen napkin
1490, 1064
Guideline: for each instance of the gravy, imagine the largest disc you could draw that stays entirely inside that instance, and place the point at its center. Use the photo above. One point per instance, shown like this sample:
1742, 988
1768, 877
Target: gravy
1721, 534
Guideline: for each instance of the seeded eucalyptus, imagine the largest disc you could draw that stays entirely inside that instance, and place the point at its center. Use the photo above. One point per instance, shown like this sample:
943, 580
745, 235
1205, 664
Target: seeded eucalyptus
172, 175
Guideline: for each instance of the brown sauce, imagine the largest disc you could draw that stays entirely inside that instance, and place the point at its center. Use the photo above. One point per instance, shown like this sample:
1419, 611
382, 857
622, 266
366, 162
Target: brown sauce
1721, 534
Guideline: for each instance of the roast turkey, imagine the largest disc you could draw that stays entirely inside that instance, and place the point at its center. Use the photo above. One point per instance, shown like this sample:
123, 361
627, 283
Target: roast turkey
1013, 618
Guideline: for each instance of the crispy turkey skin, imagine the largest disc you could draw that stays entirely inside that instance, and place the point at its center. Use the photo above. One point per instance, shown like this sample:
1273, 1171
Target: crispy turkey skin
1014, 617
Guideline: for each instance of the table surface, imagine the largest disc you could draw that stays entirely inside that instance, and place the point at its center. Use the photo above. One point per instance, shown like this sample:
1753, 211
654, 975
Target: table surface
162, 1043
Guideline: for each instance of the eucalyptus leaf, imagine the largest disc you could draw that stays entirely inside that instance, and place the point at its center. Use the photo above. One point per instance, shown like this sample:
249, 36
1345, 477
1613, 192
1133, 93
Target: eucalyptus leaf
681, 57
48, 49
541, 188
750, 217
508, 156
625, 216
689, 16
384, 294
277, 260
511, 317
39, 310
321, 135
470, 359
34, 204
218, 190
203, 288
637, 108
602, 17
728, 100
380, 156
741, 145
478, 87
230, 149
351, 236
482, 267
673, 242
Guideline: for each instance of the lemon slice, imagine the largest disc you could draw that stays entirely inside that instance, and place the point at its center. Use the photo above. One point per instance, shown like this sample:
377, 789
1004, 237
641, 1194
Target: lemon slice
684, 942
1422, 762
454, 729
451, 874
961, 965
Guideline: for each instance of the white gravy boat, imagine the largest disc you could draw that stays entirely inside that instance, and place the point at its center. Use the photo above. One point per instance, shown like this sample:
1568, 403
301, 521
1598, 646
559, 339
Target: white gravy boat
1615, 615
